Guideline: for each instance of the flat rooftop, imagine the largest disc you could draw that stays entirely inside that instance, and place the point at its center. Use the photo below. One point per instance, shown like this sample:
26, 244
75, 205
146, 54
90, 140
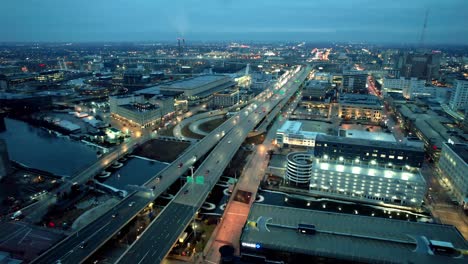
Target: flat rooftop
347, 236
359, 99
378, 172
290, 127
380, 136
365, 142
195, 82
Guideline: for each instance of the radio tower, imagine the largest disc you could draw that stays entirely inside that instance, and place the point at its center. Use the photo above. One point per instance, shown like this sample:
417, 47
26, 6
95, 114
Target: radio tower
423, 32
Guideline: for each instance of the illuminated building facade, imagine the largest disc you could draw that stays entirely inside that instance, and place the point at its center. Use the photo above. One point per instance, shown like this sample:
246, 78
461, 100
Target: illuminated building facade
453, 164
360, 106
459, 99
368, 151
291, 133
370, 182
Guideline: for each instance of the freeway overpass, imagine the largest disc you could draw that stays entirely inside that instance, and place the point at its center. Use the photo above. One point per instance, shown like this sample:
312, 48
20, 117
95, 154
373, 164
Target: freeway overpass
36, 210
157, 240
101, 230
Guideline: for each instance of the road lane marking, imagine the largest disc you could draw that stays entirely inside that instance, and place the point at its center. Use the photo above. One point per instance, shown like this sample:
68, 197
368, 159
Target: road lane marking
143, 257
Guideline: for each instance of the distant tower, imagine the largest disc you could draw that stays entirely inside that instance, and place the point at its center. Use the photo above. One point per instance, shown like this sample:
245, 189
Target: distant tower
423, 32
179, 49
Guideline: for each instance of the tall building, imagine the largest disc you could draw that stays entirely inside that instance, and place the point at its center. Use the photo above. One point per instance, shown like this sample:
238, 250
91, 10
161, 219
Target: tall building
354, 82
453, 163
422, 66
459, 98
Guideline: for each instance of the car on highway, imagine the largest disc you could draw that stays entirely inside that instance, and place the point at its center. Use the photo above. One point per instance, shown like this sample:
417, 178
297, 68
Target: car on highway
186, 191
114, 215
229, 142
131, 204
83, 244
180, 165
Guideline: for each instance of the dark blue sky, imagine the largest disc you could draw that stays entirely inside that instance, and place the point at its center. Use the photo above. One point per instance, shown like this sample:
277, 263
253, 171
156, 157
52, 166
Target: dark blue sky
397, 21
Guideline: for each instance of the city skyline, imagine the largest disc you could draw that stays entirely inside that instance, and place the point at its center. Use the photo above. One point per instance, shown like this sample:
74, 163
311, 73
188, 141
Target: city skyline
331, 21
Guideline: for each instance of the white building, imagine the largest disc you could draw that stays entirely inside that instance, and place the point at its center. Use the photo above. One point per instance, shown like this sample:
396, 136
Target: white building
368, 182
299, 168
291, 133
453, 163
136, 109
398, 84
459, 99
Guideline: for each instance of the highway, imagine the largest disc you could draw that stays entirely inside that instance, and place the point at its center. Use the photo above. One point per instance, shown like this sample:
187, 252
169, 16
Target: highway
35, 211
68, 250
157, 240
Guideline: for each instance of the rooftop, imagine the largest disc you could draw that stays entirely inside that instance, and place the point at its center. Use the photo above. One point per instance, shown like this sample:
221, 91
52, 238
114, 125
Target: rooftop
380, 136
461, 150
292, 127
365, 142
347, 236
195, 82
359, 99
140, 107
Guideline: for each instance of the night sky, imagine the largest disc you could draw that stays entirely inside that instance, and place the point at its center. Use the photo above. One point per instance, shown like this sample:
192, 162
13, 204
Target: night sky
394, 21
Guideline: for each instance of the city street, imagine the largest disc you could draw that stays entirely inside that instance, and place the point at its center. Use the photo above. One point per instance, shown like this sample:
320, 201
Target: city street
439, 201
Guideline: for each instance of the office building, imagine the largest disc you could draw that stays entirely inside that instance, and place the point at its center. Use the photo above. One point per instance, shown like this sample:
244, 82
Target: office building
299, 168
367, 182
360, 107
50, 76
459, 98
464, 124
453, 164
291, 134
133, 77
226, 98
136, 109
422, 66
398, 84
315, 90
354, 82
291, 235
368, 151
418, 89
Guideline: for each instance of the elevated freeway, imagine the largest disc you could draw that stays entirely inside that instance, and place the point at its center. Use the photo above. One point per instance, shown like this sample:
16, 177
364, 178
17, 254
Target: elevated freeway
101, 230
157, 240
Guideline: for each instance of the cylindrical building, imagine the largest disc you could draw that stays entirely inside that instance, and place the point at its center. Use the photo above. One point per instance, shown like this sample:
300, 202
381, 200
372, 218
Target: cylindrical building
299, 168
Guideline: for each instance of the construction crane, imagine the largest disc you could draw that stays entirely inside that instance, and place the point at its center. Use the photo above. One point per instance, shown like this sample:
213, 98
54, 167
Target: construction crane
423, 32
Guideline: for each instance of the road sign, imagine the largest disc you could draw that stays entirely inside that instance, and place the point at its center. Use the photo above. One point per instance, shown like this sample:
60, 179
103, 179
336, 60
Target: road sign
189, 179
199, 180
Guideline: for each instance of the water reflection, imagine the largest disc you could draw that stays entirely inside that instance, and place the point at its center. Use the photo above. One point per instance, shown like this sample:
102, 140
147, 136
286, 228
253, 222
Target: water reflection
37, 148
136, 171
